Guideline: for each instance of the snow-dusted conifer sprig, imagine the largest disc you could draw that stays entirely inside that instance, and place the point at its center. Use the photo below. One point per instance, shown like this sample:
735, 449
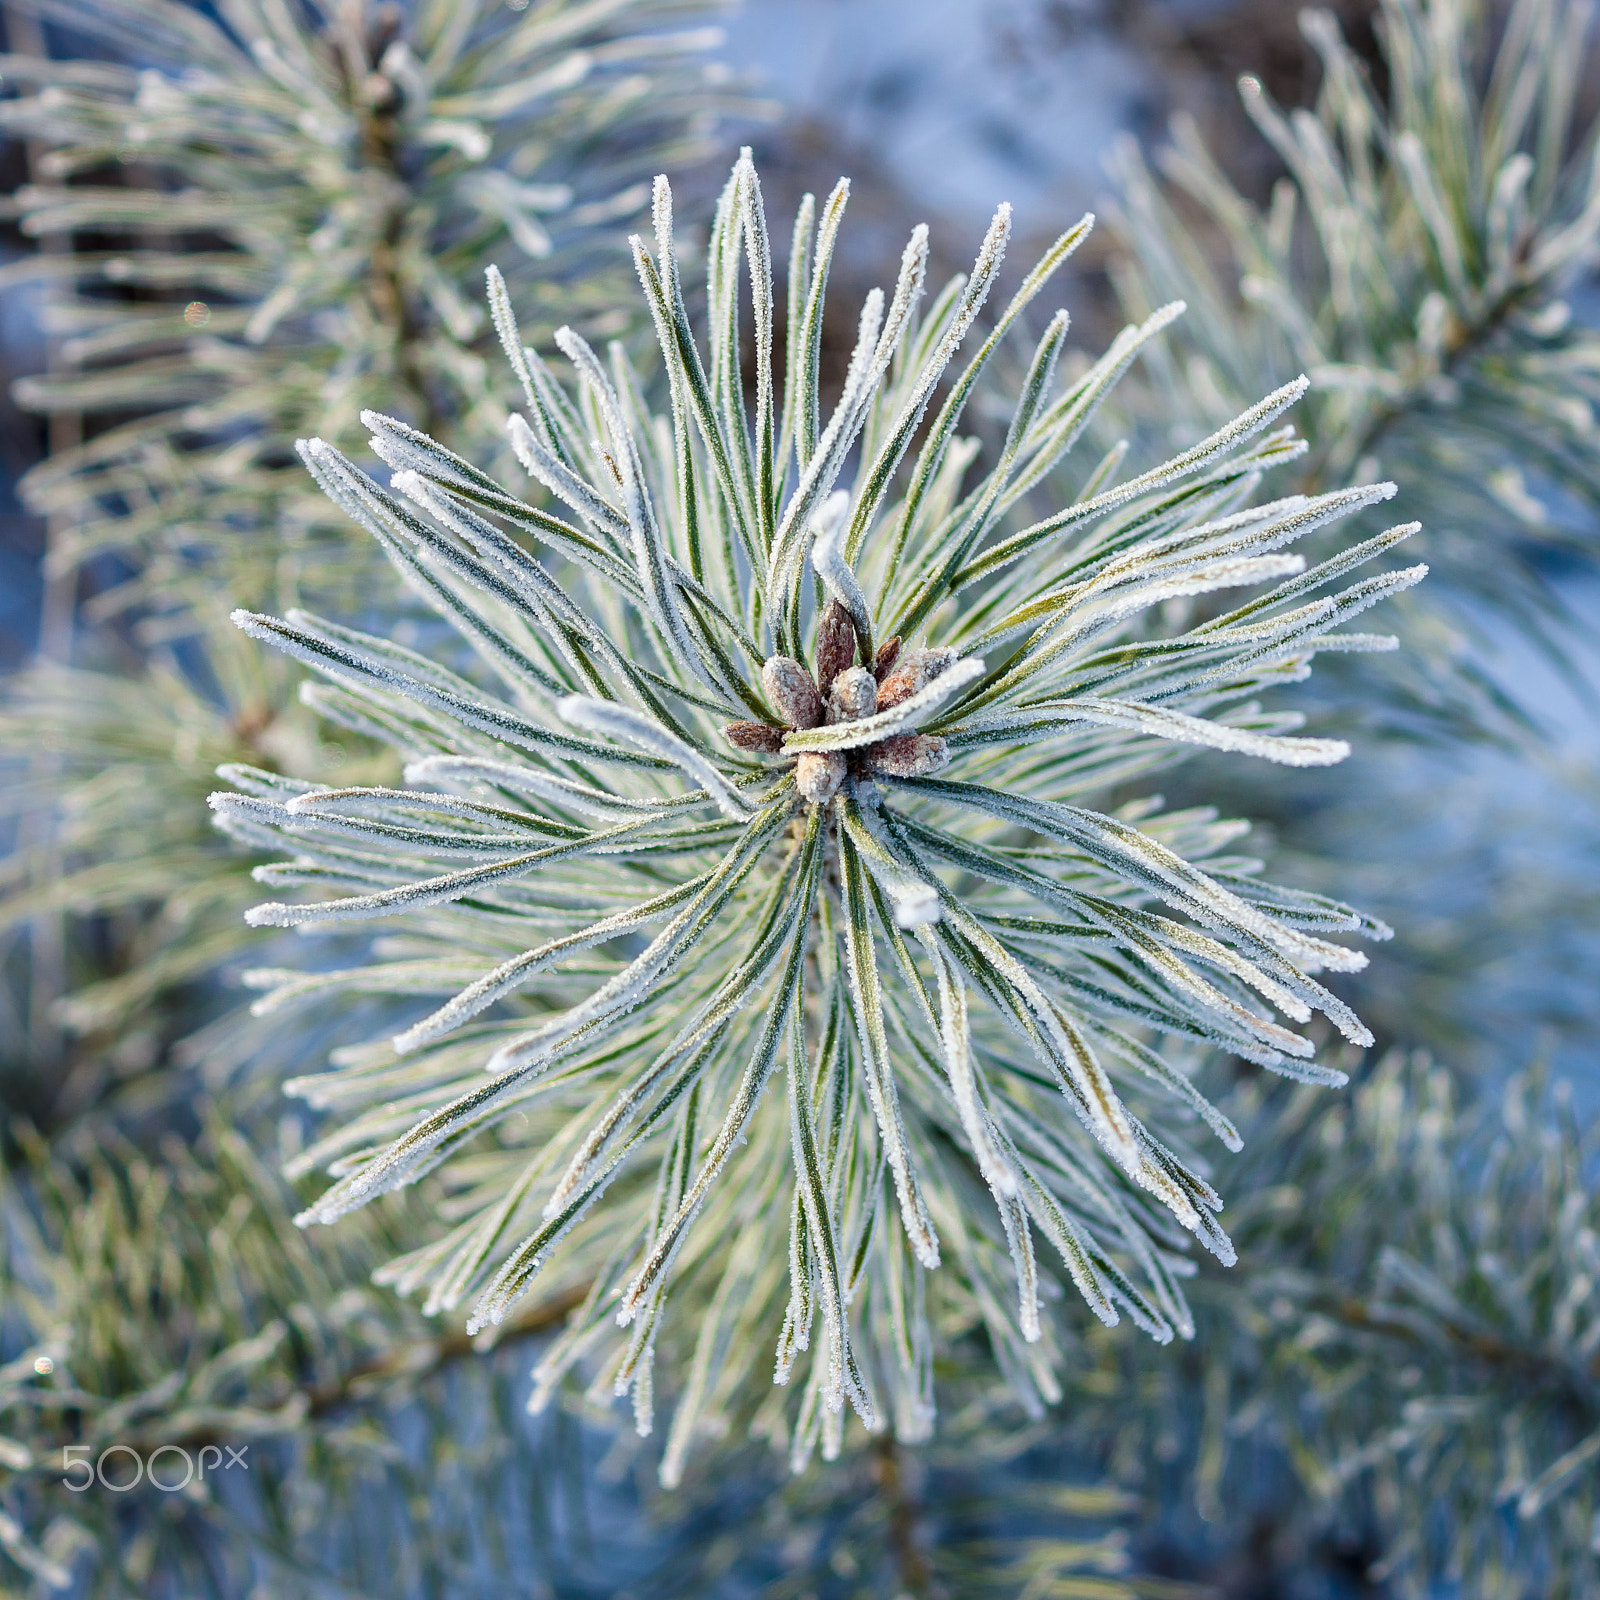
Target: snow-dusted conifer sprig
1418, 261
307, 187
749, 860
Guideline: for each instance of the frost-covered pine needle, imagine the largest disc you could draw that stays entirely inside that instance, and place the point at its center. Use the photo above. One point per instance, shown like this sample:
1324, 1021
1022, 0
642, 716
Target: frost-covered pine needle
766, 751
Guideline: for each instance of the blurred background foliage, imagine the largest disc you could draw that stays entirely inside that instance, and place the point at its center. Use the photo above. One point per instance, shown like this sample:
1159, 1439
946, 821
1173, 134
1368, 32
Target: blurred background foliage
212, 246
251, 223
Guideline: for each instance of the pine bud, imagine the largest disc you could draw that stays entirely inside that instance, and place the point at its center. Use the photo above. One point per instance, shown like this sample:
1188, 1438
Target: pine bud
760, 736
854, 695
818, 774
915, 670
883, 662
908, 755
836, 644
792, 693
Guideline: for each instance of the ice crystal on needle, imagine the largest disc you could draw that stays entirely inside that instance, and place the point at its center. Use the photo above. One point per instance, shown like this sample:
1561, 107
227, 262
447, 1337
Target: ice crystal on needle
760, 764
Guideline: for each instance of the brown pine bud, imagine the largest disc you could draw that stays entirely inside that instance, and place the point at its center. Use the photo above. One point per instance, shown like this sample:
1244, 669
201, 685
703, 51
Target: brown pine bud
792, 693
818, 774
836, 644
760, 736
915, 670
854, 695
883, 662
908, 755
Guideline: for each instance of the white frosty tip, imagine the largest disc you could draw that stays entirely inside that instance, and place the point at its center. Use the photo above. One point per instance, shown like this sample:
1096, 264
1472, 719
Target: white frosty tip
827, 558
915, 904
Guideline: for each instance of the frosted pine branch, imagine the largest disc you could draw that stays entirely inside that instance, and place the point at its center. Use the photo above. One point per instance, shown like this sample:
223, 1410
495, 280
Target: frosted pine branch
1418, 263
720, 600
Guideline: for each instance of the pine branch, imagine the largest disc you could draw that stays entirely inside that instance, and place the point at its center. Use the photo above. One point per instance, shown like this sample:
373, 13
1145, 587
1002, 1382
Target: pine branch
1417, 261
1416, 1354
910, 1565
599, 772
427, 1357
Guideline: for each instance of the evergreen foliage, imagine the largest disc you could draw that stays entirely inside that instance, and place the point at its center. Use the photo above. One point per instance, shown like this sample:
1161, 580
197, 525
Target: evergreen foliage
172, 1303
548, 826
120, 764
1397, 1379
1418, 261
165, 1303
1413, 1355
1404, 1368
316, 182
304, 188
